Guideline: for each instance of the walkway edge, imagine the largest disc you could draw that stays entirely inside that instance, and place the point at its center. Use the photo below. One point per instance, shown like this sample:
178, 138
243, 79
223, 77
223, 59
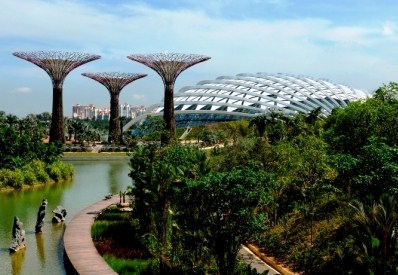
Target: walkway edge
267, 260
81, 256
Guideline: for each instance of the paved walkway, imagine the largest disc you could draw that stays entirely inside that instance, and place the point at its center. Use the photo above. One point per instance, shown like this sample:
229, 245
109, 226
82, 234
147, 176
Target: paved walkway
79, 247
84, 258
255, 262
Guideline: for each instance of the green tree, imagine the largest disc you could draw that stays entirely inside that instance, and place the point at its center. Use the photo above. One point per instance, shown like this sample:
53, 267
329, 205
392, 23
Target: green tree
156, 172
222, 208
345, 166
240, 154
233, 130
348, 130
208, 137
299, 164
21, 141
152, 128
377, 169
387, 92
260, 122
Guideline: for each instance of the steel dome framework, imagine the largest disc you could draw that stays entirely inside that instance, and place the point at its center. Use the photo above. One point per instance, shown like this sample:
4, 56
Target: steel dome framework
246, 95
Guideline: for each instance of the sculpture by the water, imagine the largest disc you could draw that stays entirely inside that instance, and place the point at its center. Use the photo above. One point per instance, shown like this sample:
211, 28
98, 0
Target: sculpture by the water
59, 214
18, 236
40, 216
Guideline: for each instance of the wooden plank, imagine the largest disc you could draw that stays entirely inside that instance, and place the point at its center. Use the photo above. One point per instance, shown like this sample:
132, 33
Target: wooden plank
79, 246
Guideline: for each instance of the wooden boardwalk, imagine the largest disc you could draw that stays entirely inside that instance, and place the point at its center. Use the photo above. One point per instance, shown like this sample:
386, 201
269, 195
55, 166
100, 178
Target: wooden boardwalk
80, 252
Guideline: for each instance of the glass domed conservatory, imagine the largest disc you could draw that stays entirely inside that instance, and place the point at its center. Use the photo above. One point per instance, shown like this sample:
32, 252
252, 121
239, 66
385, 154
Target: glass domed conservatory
246, 95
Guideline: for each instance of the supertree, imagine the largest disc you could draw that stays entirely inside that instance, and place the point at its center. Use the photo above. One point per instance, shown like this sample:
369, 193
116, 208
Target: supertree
168, 66
57, 65
114, 82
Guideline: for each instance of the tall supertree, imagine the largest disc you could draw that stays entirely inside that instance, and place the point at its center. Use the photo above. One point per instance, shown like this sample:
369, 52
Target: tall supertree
114, 82
57, 65
168, 66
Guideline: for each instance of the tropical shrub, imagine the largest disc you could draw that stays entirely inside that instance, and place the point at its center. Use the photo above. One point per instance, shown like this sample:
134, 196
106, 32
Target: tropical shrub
29, 177
11, 178
54, 172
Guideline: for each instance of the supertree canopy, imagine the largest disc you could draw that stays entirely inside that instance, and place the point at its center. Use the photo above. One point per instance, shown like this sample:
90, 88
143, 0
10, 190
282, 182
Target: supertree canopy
114, 82
57, 65
168, 66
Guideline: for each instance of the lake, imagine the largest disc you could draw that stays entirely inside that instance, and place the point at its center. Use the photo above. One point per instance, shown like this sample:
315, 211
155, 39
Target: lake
44, 251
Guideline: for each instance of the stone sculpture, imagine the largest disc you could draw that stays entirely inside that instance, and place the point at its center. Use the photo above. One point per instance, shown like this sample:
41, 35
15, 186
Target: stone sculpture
59, 214
40, 216
18, 236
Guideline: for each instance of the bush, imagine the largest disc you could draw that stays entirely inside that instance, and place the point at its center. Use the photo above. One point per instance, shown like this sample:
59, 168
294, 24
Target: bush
36, 171
99, 229
5, 176
42, 176
67, 170
10, 178
136, 266
29, 177
113, 214
54, 172
37, 165
58, 171
39, 169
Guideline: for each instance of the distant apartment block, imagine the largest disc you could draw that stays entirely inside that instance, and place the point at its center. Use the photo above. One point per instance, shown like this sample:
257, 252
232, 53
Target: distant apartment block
91, 112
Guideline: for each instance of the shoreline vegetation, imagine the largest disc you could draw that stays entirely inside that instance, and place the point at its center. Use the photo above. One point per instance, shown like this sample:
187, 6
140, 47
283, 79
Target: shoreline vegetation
40, 174
36, 173
33, 186
94, 156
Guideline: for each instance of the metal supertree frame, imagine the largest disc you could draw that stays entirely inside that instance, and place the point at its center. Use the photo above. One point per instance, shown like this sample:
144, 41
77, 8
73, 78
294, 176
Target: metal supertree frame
57, 65
114, 82
168, 66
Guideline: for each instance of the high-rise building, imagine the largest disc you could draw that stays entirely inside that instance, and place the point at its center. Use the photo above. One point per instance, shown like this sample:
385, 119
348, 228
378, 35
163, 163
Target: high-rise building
83, 112
91, 112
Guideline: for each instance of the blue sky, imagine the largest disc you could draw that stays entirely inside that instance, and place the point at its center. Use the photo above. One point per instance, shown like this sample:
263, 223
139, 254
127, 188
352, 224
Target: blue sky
351, 42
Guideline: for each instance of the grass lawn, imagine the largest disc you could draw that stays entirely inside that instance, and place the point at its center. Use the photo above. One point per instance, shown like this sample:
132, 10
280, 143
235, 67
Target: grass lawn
89, 154
115, 239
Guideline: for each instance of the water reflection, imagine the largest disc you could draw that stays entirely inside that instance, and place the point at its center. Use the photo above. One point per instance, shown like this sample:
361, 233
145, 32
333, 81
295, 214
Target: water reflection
17, 259
115, 176
40, 248
44, 251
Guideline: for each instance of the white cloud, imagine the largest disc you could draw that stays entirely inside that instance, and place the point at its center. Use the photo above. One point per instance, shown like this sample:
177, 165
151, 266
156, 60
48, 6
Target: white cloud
282, 3
349, 34
138, 96
23, 90
388, 28
314, 46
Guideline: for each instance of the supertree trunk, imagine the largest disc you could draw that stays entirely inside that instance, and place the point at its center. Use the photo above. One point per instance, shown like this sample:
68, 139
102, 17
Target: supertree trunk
115, 134
57, 122
114, 82
168, 113
57, 65
168, 66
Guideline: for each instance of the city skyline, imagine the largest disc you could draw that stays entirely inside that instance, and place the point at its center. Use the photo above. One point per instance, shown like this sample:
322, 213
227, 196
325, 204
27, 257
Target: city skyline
351, 42
90, 111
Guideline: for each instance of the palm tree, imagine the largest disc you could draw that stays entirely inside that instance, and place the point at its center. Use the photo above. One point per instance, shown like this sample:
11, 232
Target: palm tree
260, 122
376, 223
